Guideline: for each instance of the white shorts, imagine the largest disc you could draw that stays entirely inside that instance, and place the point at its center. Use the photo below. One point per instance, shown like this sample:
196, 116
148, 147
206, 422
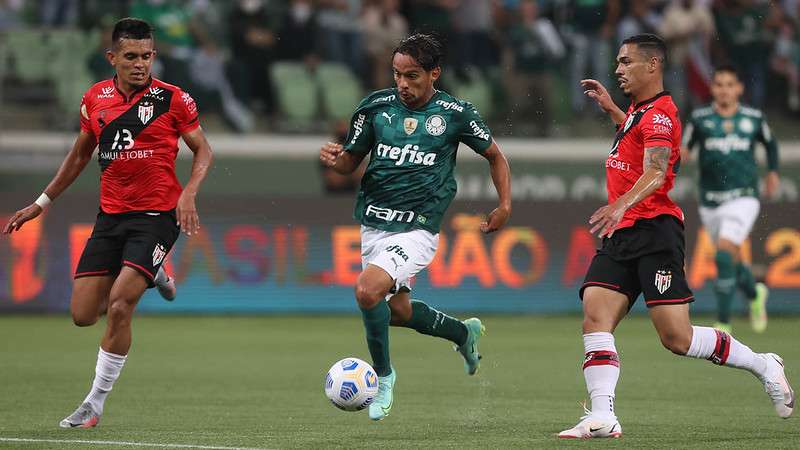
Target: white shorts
731, 220
402, 254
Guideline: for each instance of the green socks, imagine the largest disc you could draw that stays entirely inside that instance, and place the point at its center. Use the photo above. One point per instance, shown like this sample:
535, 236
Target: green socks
745, 281
427, 320
376, 324
725, 286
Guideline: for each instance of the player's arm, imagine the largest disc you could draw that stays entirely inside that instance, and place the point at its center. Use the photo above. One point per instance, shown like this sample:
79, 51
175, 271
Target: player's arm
501, 177
334, 156
186, 211
598, 92
655, 164
689, 141
71, 167
773, 181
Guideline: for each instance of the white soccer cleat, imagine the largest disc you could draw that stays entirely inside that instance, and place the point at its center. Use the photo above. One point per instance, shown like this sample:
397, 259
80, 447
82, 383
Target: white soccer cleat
777, 385
165, 285
593, 427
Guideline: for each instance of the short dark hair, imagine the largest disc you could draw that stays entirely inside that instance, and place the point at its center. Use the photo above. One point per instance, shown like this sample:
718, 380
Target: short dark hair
651, 44
726, 68
426, 49
131, 28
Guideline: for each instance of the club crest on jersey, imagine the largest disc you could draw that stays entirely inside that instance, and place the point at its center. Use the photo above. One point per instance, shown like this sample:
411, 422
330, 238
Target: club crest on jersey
663, 280
410, 125
727, 126
435, 125
145, 112
746, 125
158, 254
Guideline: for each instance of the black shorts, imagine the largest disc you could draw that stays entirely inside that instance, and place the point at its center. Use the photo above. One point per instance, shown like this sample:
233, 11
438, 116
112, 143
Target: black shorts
646, 258
140, 240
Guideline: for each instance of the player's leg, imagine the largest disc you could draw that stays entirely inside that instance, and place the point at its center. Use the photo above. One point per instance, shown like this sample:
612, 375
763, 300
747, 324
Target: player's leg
724, 258
90, 298
417, 315
667, 295
607, 294
372, 287
165, 284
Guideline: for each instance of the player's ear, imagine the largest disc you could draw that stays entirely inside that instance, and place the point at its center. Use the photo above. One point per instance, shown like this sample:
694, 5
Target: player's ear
435, 73
110, 57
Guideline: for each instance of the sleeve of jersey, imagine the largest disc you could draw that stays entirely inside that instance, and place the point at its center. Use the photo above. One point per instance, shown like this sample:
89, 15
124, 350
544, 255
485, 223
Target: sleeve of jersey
360, 135
474, 133
187, 118
657, 128
86, 124
770, 144
689, 135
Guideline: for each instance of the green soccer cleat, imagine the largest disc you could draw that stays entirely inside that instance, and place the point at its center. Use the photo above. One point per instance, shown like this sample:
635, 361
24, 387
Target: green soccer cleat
724, 327
472, 359
758, 308
382, 404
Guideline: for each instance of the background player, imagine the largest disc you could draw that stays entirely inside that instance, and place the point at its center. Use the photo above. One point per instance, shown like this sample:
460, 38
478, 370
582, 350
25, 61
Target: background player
643, 246
412, 133
136, 120
726, 133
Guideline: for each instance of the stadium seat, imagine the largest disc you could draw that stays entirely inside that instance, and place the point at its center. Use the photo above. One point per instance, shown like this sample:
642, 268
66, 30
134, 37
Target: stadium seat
296, 91
340, 90
31, 54
475, 89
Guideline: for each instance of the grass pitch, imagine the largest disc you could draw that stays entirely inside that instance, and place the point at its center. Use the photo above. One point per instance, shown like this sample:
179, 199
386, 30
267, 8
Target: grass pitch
257, 382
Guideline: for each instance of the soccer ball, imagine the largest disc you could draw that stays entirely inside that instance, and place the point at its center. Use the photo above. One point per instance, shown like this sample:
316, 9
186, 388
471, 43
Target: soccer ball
351, 384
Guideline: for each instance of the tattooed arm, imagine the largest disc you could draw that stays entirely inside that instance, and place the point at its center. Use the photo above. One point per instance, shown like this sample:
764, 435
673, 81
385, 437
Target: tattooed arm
656, 162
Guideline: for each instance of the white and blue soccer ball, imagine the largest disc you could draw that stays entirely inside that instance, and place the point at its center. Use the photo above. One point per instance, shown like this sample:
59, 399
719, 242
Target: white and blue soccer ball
351, 384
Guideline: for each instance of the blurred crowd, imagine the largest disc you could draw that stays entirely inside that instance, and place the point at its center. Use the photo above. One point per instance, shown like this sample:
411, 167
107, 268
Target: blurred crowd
533, 52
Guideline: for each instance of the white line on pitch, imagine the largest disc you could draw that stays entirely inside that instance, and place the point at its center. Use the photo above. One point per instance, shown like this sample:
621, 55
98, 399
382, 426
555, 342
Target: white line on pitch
132, 444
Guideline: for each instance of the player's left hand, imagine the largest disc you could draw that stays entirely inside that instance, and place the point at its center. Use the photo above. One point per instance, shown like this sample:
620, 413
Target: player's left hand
772, 185
20, 217
187, 214
496, 220
607, 218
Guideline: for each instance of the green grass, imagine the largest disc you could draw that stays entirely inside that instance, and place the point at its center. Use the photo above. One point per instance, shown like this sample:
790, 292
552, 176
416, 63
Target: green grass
258, 382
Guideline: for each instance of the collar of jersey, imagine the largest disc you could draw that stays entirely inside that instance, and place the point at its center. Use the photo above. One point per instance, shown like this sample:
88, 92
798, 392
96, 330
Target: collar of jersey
436, 93
649, 100
133, 94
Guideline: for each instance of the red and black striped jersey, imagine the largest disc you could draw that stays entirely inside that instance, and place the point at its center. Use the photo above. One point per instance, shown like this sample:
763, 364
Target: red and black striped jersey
137, 140
651, 123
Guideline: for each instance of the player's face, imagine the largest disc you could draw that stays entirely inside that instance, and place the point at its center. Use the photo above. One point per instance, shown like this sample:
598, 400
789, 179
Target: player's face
414, 84
634, 69
726, 88
132, 60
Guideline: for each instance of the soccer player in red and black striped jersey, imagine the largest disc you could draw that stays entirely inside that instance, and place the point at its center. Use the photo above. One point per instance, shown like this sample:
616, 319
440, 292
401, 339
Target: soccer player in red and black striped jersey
642, 251
136, 121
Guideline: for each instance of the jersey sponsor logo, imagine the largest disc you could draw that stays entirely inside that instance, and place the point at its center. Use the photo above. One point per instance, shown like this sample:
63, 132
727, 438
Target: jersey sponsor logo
662, 123
191, 106
663, 280
388, 98
358, 127
158, 254
155, 92
389, 214
613, 163
107, 92
388, 117
125, 155
727, 144
145, 112
408, 154
450, 105
410, 125
435, 125
479, 132
746, 125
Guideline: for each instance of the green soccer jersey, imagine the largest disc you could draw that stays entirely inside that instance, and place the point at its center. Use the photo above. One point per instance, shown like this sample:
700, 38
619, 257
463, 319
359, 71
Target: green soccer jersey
409, 181
727, 161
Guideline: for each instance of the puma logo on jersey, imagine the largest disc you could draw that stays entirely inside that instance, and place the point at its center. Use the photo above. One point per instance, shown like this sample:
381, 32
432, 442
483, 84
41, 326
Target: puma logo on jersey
388, 117
408, 154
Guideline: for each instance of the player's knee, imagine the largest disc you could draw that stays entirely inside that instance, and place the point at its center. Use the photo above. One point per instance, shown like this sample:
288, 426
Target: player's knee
677, 343
120, 311
83, 320
368, 296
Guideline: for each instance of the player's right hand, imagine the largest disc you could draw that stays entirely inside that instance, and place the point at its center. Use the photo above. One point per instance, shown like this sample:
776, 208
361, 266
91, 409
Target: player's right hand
20, 217
598, 92
329, 152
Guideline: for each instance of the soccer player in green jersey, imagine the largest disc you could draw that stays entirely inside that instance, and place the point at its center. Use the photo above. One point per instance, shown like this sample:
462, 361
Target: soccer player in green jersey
411, 133
726, 133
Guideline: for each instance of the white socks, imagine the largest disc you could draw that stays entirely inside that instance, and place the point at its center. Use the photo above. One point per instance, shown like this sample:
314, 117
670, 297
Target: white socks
106, 372
724, 350
601, 371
